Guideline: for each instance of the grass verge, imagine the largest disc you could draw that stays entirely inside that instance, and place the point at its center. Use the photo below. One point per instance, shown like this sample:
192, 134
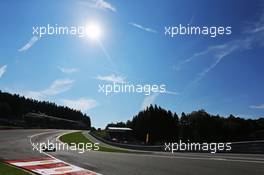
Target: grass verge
7, 169
78, 137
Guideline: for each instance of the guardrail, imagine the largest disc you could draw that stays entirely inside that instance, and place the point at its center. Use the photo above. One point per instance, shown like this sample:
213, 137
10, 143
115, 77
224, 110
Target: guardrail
248, 147
130, 146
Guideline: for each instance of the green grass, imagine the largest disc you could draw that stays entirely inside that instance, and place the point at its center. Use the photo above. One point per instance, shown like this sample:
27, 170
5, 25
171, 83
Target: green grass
78, 137
9, 170
102, 133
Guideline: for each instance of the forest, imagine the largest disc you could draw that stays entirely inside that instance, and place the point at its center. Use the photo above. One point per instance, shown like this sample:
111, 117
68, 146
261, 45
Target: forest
198, 126
18, 111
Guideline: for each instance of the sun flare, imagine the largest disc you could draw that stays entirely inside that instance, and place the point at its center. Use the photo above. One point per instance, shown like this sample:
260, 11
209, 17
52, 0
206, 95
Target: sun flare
93, 31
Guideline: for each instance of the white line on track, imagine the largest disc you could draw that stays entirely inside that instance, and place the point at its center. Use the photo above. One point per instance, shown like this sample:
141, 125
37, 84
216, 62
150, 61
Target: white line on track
195, 157
204, 158
30, 137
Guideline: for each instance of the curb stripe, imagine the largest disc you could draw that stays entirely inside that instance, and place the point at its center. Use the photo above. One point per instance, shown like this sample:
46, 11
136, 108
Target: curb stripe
50, 166
28, 160
79, 173
41, 162
59, 170
54, 165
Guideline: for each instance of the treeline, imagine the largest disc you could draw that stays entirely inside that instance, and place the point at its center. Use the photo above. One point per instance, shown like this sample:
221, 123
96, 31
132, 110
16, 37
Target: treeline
14, 110
198, 126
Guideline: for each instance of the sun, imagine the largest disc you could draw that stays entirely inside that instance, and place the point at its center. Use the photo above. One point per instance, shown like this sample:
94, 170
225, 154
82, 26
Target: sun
93, 31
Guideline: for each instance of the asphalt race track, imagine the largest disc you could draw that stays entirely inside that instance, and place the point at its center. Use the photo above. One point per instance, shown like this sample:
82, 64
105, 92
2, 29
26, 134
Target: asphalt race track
15, 144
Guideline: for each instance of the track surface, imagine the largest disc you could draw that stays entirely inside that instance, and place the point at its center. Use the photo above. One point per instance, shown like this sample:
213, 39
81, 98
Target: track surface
15, 144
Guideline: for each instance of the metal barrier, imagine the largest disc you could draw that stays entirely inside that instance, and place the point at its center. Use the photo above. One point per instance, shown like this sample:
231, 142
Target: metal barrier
248, 147
130, 146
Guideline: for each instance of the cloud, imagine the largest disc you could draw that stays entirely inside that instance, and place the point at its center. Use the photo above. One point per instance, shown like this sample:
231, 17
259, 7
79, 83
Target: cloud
57, 87
82, 104
99, 4
253, 36
148, 100
171, 93
143, 28
213, 56
255, 27
261, 106
68, 70
216, 51
112, 78
3, 70
192, 18
244, 115
216, 54
28, 45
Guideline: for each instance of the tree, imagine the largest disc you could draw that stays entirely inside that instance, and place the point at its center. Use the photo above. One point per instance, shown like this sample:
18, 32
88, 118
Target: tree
15, 107
197, 126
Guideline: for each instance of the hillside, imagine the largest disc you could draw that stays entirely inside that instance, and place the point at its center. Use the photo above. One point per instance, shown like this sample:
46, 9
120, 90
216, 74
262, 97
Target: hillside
18, 111
198, 126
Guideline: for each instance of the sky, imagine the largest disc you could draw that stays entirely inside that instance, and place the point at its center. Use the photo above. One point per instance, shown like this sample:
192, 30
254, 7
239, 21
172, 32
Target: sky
223, 74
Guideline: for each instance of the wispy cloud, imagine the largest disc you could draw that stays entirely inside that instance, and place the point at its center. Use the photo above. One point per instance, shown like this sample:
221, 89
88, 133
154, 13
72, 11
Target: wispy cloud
68, 70
171, 92
261, 106
213, 56
99, 4
3, 70
256, 27
57, 87
143, 28
29, 44
244, 115
217, 53
148, 100
255, 34
192, 18
82, 104
112, 78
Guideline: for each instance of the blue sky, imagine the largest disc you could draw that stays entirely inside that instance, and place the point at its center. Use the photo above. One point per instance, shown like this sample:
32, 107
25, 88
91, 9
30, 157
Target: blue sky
222, 75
